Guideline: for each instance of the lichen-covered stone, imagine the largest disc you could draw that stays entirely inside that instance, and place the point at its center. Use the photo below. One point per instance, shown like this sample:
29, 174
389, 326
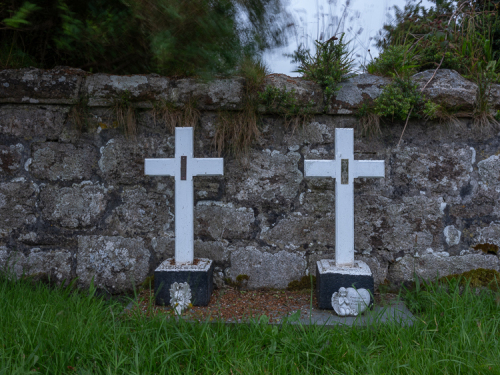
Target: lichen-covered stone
410, 225
122, 161
490, 234
434, 265
56, 264
52, 264
143, 90
379, 267
305, 92
217, 94
269, 177
37, 86
11, 159
28, 122
354, 91
216, 220
419, 169
452, 235
62, 161
141, 213
81, 205
298, 230
217, 251
163, 247
106, 89
116, 264
489, 170
447, 88
18, 203
266, 269
12, 262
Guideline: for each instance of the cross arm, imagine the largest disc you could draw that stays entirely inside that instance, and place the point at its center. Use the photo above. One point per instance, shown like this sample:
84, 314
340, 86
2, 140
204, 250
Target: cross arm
207, 166
368, 168
160, 167
319, 168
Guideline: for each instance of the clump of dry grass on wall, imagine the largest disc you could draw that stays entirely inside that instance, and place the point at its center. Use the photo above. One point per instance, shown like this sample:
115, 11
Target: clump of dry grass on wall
125, 114
175, 116
451, 118
370, 124
484, 120
235, 131
78, 114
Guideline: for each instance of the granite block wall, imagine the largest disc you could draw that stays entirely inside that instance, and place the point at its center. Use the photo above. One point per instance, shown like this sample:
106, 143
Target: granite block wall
74, 202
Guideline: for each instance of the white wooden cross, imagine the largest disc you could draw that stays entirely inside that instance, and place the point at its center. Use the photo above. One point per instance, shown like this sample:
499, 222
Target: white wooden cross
344, 169
183, 167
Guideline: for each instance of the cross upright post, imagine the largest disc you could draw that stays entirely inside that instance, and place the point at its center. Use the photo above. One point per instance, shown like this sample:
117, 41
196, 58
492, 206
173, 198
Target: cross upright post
344, 169
183, 167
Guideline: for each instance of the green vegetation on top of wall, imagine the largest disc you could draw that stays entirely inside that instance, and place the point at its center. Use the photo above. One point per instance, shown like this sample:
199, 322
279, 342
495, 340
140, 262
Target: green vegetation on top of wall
330, 63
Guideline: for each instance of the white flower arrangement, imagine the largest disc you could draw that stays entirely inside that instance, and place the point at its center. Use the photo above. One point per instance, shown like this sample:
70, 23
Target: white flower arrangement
180, 297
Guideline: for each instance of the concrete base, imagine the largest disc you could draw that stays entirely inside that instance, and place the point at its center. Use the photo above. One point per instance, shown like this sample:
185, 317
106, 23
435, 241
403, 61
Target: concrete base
330, 278
199, 276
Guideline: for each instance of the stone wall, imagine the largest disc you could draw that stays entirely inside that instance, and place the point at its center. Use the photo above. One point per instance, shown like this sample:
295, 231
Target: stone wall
76, 203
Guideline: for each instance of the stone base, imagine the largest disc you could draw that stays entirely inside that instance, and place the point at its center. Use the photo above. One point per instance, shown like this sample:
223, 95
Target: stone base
199, 276
330, 278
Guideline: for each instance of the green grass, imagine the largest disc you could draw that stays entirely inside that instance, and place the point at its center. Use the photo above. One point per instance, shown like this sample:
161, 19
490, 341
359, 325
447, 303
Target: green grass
56, 331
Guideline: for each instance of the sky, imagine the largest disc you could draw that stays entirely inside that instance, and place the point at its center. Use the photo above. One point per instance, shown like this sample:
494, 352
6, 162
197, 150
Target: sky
361, 20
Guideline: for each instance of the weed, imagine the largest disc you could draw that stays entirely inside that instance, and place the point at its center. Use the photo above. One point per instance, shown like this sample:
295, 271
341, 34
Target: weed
79, 113
241, 281
369, 121
254, 71
484, 120
399, 98
235, 132
331, 62
174, 116
125, 114
394, 61
285, 103
305, 283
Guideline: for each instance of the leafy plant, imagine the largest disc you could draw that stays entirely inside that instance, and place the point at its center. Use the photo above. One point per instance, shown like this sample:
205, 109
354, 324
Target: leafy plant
484, 120
235, 132
401, 97
451, 35
330, 63
169, 37
285, 103
395, 61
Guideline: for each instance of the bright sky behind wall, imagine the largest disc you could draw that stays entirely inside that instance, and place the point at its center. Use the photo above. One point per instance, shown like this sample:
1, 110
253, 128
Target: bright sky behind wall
361, 20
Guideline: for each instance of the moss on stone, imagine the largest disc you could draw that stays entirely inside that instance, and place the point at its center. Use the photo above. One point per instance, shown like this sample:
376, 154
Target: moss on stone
306, 282
241, 281
487, 248
477, 278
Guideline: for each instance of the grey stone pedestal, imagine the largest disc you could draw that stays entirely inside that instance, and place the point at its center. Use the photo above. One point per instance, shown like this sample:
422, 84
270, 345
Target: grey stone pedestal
198, 275
330, 278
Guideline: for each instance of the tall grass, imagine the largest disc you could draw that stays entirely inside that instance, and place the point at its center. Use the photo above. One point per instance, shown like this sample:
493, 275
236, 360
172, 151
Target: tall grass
59, 331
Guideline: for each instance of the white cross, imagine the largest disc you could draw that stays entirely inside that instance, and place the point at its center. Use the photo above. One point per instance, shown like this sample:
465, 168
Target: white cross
344, 169
183, 167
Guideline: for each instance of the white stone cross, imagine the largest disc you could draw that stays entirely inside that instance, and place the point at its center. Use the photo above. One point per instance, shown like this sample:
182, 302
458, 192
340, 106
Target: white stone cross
183, 167
344, 169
